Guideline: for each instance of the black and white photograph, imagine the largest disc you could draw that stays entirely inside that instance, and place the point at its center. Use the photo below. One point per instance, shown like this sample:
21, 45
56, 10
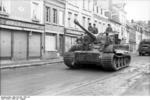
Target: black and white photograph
74, 48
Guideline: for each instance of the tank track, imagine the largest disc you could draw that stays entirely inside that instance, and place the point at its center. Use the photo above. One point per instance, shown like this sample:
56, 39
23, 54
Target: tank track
69, 60
114, 62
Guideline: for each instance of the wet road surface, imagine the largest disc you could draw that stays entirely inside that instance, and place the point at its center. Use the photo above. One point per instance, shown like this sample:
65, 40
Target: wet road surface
55, 79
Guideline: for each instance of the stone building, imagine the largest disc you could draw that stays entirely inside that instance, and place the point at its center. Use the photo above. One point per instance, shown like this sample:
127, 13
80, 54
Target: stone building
21, 29
132, 37
54, 15
119, 15
99, 16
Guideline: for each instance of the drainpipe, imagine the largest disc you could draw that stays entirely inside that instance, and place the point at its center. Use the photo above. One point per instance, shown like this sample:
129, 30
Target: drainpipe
64, 37
43, 35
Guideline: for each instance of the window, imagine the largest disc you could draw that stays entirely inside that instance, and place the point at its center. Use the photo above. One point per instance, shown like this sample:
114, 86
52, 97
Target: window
69, 19
50, 43
83, 21
75, 17
95, 21
2, 6
61, 18
88, 4
35, 10
97, 8
101, 11
48, 14
89, 20
83, 3
54, 15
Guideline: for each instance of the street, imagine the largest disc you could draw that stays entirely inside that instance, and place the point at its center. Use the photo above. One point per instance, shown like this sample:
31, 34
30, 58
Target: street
58, 79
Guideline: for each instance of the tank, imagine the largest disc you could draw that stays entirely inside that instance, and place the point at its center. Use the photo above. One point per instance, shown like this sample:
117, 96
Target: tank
95, 50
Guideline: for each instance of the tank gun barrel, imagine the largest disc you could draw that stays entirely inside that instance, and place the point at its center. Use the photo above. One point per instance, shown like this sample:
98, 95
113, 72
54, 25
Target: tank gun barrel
86, 31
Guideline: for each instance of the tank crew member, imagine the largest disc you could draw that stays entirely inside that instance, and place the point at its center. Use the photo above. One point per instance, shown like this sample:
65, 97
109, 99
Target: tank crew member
109, 29
95, 29
90, 28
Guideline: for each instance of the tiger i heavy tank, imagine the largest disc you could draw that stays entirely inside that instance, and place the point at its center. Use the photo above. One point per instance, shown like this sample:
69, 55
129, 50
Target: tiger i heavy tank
92, 51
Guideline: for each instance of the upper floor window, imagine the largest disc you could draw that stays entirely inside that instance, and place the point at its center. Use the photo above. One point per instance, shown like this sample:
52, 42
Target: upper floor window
3, 6
83, 3
101, 11
89, 4
84, 21
35, 11
97, 9
95, 22
75, 17
69, 19
54, 15
89, 20
61, 17
48, 18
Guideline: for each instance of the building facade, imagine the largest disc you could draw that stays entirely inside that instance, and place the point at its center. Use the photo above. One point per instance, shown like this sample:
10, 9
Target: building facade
54, 15
132, 37
21, 29
116, 17
119, 15
99, 16
142, 32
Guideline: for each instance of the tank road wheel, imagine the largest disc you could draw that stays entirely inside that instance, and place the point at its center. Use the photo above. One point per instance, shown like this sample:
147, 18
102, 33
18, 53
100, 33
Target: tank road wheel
129, 60
110, 62
116, 63
124, 62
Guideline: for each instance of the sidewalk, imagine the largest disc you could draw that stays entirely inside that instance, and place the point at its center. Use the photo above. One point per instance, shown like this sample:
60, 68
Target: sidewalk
28, 63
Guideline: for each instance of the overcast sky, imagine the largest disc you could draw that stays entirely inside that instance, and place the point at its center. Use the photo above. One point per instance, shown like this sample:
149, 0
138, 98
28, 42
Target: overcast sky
138, 9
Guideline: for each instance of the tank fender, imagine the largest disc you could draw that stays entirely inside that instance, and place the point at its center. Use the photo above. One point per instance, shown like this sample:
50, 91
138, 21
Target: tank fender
109, 49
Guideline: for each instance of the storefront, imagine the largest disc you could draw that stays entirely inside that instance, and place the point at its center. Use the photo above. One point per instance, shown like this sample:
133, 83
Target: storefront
35, 44
54, 28
5, 44
70, 37
54, 41
20, 40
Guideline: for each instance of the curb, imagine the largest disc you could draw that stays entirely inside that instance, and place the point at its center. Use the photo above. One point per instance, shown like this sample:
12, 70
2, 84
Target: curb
28, 65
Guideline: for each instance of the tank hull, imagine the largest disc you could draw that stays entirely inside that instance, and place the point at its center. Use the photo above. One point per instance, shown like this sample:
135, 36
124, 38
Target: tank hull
108, 61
